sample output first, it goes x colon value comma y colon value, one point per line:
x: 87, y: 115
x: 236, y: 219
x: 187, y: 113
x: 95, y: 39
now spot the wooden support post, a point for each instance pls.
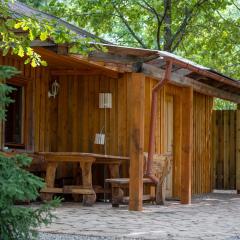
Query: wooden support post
x: 187, y: 144
x: 136, y: 115
x: 238, y: 150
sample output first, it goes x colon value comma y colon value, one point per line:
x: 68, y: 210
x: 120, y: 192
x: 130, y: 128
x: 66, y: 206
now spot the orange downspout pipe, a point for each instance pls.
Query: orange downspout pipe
x: 155, y: 90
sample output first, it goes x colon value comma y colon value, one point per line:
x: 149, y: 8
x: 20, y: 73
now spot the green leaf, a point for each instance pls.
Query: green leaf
x: 18, y: 25
x: 33, y: 63
x: 44, y: 63
x: 20, y: 51
x: 43, y: 36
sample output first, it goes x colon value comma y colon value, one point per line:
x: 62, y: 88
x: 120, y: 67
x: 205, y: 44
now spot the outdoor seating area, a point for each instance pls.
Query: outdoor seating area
x: 85, y: 160
x: 162, y: 165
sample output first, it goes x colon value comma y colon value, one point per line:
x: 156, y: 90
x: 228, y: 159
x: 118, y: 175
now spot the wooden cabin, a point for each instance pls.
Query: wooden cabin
x: 57, y: 109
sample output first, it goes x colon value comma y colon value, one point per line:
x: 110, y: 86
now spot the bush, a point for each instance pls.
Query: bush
x: 5, y: 73
x: 17, y: 184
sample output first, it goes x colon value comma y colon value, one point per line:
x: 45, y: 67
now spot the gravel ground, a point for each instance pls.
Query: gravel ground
x: 212, y: 216
x: 53, y: 236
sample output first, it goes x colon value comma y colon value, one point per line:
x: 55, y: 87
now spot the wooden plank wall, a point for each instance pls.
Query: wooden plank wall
x: 224, y: 149
x: 35, y: 102
x: 202, y: 124
x: 75, y: 116
x: 202, y: 163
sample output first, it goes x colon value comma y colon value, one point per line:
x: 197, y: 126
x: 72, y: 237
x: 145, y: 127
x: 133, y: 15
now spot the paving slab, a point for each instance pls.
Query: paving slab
x: 211, y: 216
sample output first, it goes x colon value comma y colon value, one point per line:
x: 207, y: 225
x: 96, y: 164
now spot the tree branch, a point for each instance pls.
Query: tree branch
x: 129, y: 27
x: 181, y: 30
x: 233, y: 2
x: 159, y: 17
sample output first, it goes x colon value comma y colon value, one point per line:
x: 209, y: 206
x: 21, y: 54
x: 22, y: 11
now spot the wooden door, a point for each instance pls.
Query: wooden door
x: 168, y: 134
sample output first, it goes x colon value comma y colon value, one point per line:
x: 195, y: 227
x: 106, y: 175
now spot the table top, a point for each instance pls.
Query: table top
x: 82, y: 154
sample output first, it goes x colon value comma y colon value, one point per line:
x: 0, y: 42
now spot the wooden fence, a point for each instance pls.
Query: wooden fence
x: 226, y: 149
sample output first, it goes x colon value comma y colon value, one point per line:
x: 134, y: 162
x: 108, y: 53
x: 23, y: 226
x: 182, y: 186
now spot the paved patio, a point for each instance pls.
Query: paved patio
x: 213, y: 216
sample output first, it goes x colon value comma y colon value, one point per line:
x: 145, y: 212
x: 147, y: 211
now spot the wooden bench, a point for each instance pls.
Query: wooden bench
x: 161, y: 167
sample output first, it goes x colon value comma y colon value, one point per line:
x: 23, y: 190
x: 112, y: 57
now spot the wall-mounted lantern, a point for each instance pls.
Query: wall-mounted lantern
x: 53, y: 92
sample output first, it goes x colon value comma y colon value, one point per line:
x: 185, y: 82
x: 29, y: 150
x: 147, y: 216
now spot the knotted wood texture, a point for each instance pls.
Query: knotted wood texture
x: 136, y: 114
x: 187, y: 145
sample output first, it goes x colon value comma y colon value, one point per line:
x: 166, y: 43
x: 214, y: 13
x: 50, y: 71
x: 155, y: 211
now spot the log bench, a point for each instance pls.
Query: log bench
x: 161, y: 167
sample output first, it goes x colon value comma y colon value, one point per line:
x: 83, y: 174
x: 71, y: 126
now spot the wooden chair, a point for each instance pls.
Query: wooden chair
x: 162, y: 164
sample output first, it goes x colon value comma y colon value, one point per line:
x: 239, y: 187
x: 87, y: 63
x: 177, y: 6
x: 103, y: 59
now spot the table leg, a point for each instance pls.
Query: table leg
x: 114, y: 170
x: 49, y: 179
x: 88, y: 200
x: 117, y: 192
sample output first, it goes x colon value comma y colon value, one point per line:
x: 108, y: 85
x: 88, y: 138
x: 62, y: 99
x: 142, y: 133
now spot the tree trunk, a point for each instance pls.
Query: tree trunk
x: 167, y: 28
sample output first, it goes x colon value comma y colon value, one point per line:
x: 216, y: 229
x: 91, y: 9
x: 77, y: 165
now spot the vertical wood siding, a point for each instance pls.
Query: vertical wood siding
x: 224, y: 149
x: 202, y: 163
x: 76, y: 117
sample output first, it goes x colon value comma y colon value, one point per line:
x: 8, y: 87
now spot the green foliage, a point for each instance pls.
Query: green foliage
x: 220, y: 104
x: 31, y: 29
x: 5, y: 73
x: 17, y: 184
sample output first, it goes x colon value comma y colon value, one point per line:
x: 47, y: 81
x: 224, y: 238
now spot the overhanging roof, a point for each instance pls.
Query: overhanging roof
x: 184, y: 72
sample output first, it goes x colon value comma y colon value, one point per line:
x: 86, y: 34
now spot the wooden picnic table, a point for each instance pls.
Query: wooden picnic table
x: 85, y: 160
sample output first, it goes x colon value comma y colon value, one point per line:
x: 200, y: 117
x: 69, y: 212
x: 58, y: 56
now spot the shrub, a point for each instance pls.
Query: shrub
x: 17, y: 184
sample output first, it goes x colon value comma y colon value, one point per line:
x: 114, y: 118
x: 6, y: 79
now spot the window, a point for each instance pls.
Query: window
x: 14, y: 125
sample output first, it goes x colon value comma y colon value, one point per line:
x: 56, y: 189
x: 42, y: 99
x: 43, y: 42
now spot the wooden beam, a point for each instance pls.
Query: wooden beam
x: 61, y: 72
x: 206, y: 89
x: 238, y: 149
x: 187, y: 144
x: 136, y: 104
x: 179, y: 80
x: 62, y: 49
x: 39, y: 43
x: 113, y: 58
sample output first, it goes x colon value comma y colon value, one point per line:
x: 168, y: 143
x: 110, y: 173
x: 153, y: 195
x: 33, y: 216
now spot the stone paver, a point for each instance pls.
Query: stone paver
x: 213, y: 216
